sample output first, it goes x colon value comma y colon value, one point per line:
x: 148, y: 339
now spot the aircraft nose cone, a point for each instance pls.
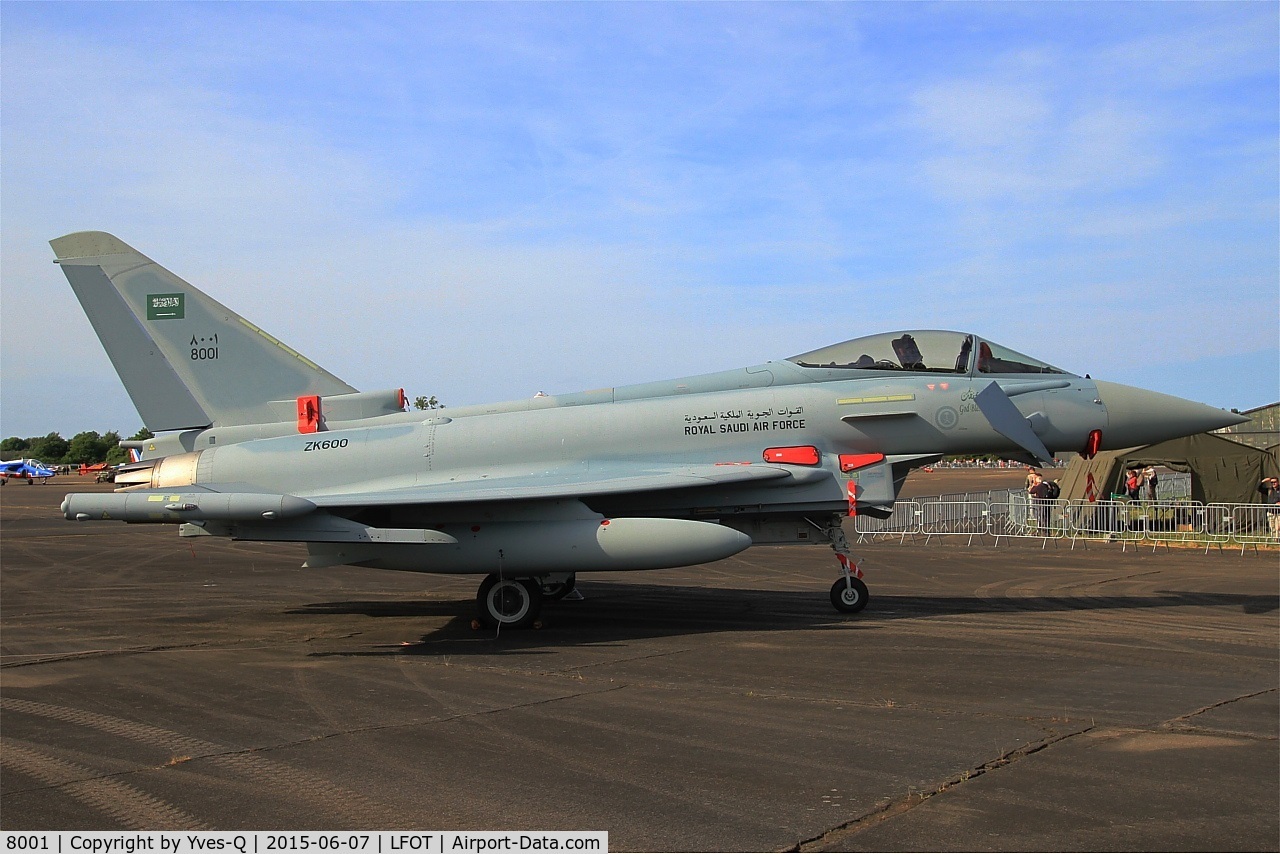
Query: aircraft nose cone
x: 1136, y: 416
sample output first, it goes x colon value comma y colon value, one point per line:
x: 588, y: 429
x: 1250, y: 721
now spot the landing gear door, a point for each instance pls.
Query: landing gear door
x: 868, y: 480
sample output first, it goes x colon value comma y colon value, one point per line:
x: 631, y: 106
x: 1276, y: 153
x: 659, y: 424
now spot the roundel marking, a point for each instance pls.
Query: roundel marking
x: 946, y: 418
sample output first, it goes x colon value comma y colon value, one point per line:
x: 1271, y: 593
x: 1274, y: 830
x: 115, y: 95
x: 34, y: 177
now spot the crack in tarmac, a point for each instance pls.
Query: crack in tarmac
x: 896, y: 807
x: 911, y: 800
x: 1183, y: 723
x: 1101, y: 581
x: 1219, y: 705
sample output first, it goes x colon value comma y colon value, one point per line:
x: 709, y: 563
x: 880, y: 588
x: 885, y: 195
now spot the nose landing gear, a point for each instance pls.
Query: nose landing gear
x: 849, y: 594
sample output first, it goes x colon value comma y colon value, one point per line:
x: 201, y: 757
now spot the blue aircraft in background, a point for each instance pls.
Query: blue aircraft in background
x: 28, y: 470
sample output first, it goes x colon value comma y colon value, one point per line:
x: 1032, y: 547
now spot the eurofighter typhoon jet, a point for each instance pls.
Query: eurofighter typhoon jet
x: 257, y: 442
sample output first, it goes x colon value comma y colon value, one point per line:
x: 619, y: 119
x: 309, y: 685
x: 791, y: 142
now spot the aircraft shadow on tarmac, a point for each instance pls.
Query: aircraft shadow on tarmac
x: 618, y: 613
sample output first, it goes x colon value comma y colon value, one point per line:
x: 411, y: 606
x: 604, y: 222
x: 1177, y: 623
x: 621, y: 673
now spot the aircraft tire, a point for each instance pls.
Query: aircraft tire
x: 849, y: 600
x: 557, y: 590
x: 512, y: 603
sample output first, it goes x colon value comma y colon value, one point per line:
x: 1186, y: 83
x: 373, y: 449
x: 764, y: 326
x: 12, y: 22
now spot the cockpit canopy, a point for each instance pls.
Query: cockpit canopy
x: 928, y: 351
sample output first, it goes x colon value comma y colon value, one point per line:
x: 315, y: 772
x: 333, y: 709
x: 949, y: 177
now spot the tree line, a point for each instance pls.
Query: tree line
x: 92, y: 447
x: 89, y: 447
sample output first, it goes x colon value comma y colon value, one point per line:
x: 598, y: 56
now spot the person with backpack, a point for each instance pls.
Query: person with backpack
x: 1040, y: 503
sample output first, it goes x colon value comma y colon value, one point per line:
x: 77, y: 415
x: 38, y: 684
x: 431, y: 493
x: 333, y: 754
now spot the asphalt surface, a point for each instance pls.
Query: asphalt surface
x: 989, y: 698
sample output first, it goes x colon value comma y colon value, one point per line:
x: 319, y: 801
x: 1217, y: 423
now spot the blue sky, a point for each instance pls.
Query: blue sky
x: 484, y: 200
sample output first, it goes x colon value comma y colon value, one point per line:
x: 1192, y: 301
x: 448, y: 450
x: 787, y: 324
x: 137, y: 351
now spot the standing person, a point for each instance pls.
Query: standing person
x: 1040, y: 505
x: 1271, y: 498
x: 1031, y: 477
x: 1149, y: 477
x: 1133, y: 484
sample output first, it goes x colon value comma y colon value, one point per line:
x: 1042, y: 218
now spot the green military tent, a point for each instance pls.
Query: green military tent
x: 1222, y: 471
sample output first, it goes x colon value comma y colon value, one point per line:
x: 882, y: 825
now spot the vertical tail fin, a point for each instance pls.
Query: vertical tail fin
x: 185, y: 359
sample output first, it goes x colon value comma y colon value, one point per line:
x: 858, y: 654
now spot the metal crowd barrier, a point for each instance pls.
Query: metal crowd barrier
x: 951, y: 518
x: 1153, y: 522
x: 1098, y: 520
x: 1020, y: 515
x: 1245, y: 525
x: 903, y: 522
x: 1012, y: 513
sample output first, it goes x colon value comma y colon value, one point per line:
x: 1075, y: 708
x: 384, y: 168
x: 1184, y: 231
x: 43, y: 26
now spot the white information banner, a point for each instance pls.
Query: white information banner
x: 293, y: 841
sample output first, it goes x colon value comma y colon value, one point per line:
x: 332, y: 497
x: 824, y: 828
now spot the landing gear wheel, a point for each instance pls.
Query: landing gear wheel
x: 849, y: 596
x: 557, y: 590
x: 512, y: 603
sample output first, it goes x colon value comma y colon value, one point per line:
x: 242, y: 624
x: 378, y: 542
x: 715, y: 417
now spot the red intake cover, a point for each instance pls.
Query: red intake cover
x: 797, y: 455
x: 849, y: 462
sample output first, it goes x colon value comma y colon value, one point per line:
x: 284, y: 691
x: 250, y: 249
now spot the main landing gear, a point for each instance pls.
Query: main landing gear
x: 514, y: 603
x: 511, y: 603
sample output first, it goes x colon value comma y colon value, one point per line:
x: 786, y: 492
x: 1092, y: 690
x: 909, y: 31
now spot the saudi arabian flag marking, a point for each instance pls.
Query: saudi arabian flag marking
x: 166, y: 306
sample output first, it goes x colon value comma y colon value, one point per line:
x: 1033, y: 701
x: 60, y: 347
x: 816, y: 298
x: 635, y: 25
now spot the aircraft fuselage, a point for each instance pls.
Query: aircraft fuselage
x: 260, y: 443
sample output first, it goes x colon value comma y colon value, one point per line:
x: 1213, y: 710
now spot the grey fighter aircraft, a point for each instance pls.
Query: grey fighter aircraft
x: 257, y: 442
